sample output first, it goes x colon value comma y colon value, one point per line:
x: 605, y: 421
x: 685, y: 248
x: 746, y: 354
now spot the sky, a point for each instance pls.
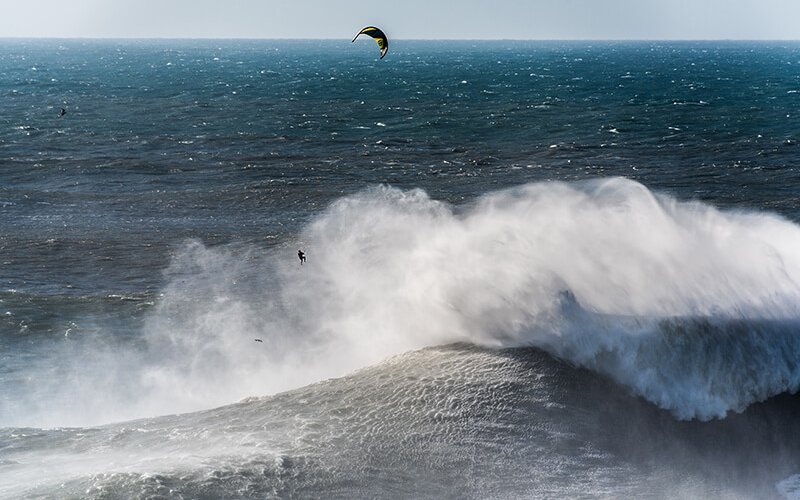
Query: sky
x: 405, y: 19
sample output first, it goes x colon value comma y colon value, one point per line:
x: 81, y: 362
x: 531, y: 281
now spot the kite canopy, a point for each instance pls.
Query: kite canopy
x: 378, y: 35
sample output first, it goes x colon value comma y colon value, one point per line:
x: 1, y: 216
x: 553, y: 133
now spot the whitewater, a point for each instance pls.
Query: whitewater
x: 693, y: 308
x: 690, y: 307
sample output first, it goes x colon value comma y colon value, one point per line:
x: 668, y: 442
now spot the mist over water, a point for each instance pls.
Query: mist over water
x: 691, y: 307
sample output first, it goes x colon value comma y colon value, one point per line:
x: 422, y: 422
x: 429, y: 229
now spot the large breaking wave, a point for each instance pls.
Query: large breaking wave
x: 693, y: 308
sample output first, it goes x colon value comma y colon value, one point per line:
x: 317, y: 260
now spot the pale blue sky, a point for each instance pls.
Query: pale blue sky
x: 465, y: 19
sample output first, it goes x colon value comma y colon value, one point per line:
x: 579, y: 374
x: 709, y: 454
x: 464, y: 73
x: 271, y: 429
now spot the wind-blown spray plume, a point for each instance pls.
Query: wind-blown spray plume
x: 691, y: 307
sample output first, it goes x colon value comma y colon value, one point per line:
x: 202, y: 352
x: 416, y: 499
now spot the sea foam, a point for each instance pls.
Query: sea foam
x: 693, y: 308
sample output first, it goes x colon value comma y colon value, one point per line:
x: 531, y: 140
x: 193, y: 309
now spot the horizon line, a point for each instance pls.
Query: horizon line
x: 235, y: 38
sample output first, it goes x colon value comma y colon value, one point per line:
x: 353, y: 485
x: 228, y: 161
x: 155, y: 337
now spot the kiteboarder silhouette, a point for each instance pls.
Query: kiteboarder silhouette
x: 63, y: 112
x: 301, y: 256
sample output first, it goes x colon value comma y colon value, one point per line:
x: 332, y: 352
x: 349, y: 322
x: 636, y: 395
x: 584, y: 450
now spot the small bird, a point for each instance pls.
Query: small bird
x: 63, y: 112
x: 259, y: 340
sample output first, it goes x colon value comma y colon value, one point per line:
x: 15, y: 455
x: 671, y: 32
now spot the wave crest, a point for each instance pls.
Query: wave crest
x: 693, y: 308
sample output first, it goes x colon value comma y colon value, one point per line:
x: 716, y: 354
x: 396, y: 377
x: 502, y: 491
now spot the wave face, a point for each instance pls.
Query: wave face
x: 692, y: 308
x: 448, y: 422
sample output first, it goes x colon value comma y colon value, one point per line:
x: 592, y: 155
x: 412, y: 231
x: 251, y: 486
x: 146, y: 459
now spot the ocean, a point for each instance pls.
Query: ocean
x: 534, y: 269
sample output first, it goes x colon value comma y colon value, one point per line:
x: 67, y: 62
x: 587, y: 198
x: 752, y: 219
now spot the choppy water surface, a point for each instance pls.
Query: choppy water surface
x: 543, y: 269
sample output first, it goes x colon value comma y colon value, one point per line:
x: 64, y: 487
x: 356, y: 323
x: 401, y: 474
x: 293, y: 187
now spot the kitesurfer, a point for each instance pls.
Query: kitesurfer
x: 63, y: 112
x: 378, y: 35
x: 301, y: 256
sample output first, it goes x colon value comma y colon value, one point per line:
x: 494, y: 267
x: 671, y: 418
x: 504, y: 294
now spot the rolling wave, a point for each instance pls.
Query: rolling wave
x: 693, y: 308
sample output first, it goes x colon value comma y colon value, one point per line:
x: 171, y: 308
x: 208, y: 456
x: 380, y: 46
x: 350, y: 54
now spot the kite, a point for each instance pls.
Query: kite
x: 378, y: 35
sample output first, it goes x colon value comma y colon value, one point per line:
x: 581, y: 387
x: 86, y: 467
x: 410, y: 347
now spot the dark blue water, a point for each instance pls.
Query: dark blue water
x: 245, y: 140
x: 151, y: 231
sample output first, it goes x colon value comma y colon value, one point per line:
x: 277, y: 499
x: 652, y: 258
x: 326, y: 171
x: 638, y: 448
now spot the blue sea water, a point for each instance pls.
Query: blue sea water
x: 535, y: 269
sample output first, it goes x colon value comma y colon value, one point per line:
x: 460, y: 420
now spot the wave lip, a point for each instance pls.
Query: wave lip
x: 696, y: 367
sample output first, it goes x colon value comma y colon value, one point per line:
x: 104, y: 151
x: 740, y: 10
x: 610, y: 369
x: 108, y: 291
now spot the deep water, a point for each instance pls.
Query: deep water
x: 535, y: 269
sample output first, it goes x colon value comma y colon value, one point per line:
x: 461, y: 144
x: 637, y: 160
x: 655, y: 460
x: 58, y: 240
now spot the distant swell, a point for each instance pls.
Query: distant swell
x: 693, y: 308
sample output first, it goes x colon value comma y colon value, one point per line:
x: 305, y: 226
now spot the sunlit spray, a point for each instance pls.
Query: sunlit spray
x: 691, y: 307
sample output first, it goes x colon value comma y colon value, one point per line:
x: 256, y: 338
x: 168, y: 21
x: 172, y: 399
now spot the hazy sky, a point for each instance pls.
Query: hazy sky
x: 469, y: 19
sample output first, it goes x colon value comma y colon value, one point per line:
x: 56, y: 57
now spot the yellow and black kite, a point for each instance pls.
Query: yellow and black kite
x: 378, y: 35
